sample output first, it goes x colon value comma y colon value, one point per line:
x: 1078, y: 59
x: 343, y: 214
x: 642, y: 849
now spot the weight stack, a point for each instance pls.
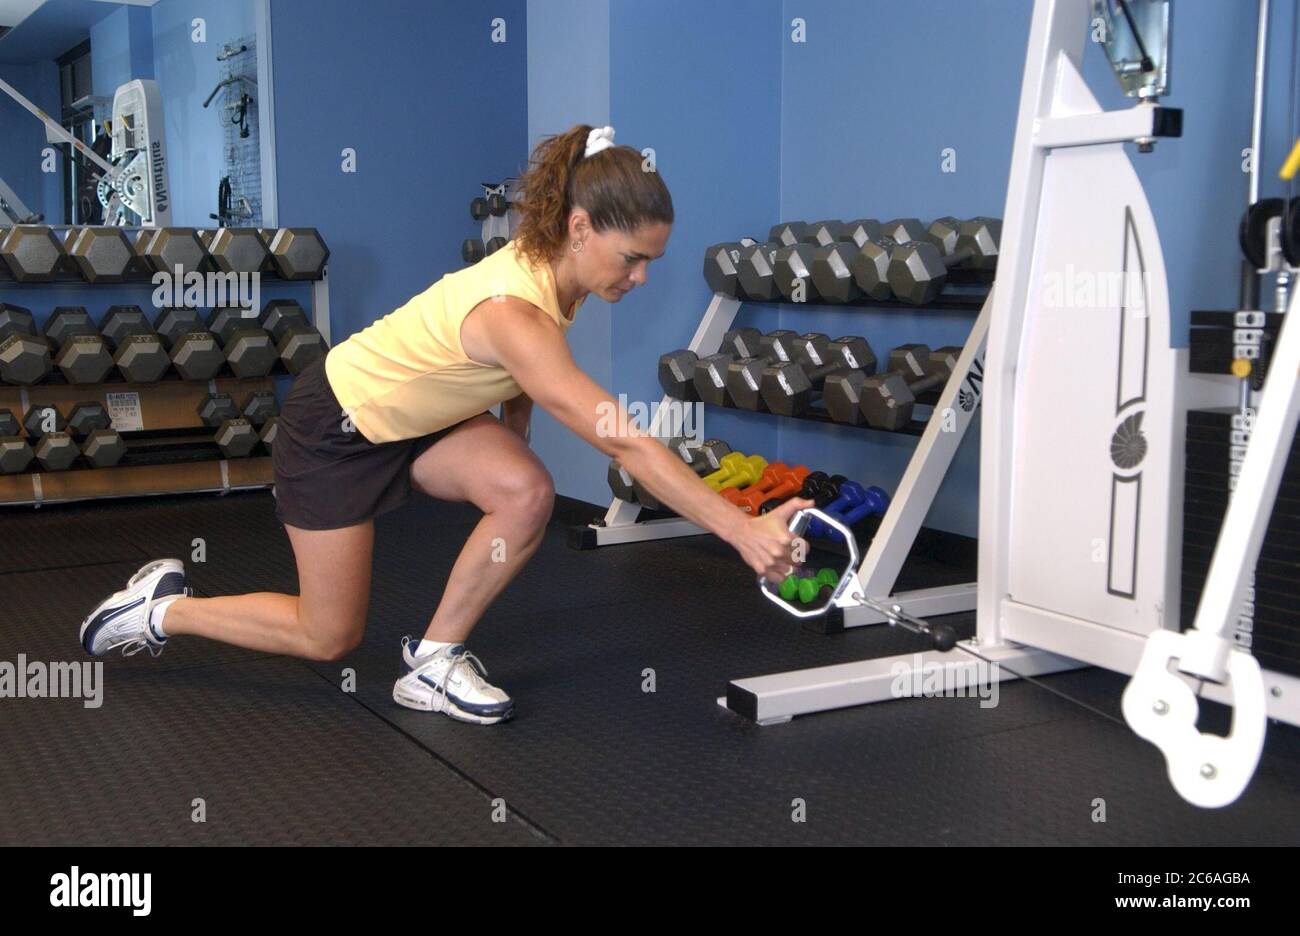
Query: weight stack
x: 1216, y: 339
x: 1270, y: 625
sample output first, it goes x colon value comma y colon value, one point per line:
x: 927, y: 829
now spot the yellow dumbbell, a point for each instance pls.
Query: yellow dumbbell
x: 749, y: 471
x: 729, y: 462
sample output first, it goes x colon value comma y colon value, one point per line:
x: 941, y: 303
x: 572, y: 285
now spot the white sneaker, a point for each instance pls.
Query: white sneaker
x: 450, y: 681
x: 122, y: 619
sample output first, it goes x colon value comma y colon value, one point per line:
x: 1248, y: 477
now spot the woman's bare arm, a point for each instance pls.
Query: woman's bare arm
x: 519, y: 337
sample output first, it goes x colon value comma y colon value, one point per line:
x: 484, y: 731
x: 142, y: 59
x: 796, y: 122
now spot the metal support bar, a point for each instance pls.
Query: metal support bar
x: 770, y: 700
x: 53, y: 129
x: 14, y: 208
x: 1143, y: 121
x: 320, y: 305
x: 953, y: 414
x: 620, y: 524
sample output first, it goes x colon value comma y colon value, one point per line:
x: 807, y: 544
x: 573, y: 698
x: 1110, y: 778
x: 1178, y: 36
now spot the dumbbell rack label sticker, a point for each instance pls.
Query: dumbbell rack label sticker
x: 124, y: 410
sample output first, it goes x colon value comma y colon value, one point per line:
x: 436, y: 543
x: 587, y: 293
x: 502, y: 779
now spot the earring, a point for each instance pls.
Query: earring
x: 576, y: 246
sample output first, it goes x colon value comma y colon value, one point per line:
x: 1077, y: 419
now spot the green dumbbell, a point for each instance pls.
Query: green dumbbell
x: 811, y: 586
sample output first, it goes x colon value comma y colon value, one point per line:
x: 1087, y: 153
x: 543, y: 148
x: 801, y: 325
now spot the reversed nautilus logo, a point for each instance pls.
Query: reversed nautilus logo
x: 1128, y: 446
x: 966, y: 400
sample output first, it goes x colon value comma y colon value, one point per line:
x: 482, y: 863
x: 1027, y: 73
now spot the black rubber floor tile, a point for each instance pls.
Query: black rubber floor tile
x: 64, y: 535
x: 41, y: 615
x: 593, y: 758
x: 1077, y: 781
x: 242, y: 546
x: 422, y: 515
x: 277, y: 756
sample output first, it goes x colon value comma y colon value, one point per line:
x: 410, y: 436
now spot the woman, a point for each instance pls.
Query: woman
x: 401, y: 406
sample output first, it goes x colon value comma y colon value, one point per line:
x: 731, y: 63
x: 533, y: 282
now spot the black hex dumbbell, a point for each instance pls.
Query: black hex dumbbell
x: 297, y: 341
x: 755, y: 273
x: 32, y: 253
x: 888, y: 399
x: 818, y: 487
x: 832, y: 261
x: 297, y: 253
x: 24, y: 355
x: 789, y: 388
x: 15, y: 451
x: 138, y: 352
x: 42, y: 419
x: 266, y: 435
x: 709, y: 373
x: 101, y: 445
x: 56, y: 451
x: 249, y: 348
x: 918, y: 271
x: 235, y: 435
x: 904, y: 230
x: 721, y: 265
x: 745, y: 374
x: 52, y: 444
x: 870, y: 267
x: 236, y: 250
x: 792, y: 270
x: 703, y: 459
x: 100, y: 254
x: 173, y: 251
x: 103, y: 448
x: 195, y: 352
x: 259, y: 407
x: 82, y: 354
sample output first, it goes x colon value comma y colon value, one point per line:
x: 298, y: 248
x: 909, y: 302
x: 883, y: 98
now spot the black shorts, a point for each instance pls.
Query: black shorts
x: 327, y: 474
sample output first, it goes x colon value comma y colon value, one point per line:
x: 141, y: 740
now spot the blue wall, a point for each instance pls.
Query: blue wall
x: 569, y: 83
x: 23, y: 137
x: 121, y: 49
x: 186, y: 72
x: 712, y: 118
x: 432, y: 108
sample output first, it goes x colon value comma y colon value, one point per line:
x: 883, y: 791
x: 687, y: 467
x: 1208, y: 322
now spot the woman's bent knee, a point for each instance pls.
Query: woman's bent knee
x: 333, y: 640
x: 527, y: 499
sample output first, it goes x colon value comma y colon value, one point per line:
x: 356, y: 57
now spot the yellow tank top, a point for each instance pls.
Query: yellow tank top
x: 408, y: 375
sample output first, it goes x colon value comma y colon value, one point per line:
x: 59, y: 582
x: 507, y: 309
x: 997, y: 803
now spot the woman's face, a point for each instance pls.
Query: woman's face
x: 612, y: 263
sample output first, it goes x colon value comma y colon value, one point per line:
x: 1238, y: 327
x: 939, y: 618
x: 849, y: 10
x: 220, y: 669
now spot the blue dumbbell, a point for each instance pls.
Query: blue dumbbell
x: 851, y: 494
x: 875, y: 501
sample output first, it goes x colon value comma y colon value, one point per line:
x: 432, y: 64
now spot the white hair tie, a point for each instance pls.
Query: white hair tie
x: 598, y: 139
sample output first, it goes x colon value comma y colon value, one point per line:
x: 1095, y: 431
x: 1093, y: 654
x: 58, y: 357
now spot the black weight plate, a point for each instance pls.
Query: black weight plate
x: 1253, y: 233
x: 1291, y: 233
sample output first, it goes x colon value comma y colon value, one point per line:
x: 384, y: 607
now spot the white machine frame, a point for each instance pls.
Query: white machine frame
x: 1082, y: 458
x: 135, y: 182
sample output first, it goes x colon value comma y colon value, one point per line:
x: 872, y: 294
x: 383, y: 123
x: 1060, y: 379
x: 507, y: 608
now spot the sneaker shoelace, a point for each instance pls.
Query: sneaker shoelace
x: 132, y: 647
x: 459, y: 660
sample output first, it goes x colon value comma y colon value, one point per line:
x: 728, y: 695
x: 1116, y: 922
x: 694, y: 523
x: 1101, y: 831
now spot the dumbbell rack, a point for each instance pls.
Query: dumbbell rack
x: 909, y: 506
x: 167, y: 411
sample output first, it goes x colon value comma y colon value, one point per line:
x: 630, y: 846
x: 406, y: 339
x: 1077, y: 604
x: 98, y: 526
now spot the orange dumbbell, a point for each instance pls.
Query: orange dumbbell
x: 786, y: 486
x: 773, y: 473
